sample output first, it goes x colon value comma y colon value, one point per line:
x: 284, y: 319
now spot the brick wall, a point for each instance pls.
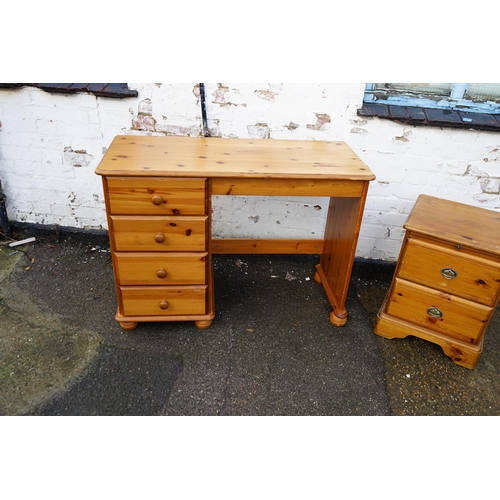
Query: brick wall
x: 50, y: 145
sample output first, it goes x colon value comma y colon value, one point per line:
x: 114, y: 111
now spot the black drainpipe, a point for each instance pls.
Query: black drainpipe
x: 4, y: 220
x: 206, y: 133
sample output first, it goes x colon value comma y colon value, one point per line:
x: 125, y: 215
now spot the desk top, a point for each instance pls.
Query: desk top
x: 239, y: 158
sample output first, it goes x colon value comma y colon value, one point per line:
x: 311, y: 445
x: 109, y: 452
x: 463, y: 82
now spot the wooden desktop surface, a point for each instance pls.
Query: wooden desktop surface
x: 240, y: 158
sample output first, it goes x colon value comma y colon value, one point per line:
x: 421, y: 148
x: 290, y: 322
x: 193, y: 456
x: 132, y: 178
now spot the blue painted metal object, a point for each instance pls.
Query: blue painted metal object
x: 457, y: 99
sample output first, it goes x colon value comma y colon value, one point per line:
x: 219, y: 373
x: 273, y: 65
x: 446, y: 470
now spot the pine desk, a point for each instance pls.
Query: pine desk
x: 158, y: 193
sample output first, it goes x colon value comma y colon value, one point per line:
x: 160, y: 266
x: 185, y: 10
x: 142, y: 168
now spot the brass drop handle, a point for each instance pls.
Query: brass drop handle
x: 164, y: 304
x: 161, y: 273
x: 434, y: 312
x: 157, y: 199
x: 449, y: 273
x: 160, y: 238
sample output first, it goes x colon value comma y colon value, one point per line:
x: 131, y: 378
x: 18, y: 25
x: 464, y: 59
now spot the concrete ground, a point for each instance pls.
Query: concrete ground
x: 271, y: 349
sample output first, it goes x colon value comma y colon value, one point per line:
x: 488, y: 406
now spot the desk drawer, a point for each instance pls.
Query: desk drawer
x: 163, y: 301
x: 156, y: 196
x: 436, y: 310
x: 161, y: 268
x: 458, y: 272
x: 160, y: 234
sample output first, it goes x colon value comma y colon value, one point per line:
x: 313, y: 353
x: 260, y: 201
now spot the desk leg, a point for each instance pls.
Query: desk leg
x: 341, y: 237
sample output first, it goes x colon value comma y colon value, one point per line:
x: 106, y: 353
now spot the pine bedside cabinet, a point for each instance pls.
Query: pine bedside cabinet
x: 447, y: 279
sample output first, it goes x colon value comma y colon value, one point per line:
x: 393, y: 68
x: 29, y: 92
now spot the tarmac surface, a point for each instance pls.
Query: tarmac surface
x: 271, y: 349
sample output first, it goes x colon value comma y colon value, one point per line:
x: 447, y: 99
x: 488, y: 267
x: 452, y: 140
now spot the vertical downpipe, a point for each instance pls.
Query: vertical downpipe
x: 4, y: 220
x: 206, y: 132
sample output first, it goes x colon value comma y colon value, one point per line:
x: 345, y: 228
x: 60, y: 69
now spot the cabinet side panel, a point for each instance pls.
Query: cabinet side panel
x: 111, y: 235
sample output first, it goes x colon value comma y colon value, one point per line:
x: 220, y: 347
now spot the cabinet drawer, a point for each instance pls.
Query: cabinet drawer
x: 454, y: 271
x: 163, y: 301
x: 156, y: 196
x: 436, y: 310
x: 161, y: 268
x: 159, y: 233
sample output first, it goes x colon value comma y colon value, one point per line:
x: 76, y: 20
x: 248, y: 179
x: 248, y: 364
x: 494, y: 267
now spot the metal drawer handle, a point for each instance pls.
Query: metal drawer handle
x: 434, y: 312
x: 449, y: 273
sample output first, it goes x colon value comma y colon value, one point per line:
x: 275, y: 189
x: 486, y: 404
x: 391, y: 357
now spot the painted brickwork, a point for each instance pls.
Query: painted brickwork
x: 50, y: 145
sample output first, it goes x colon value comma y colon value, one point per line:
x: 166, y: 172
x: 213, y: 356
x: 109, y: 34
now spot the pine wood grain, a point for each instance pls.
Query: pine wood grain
x: 286, y: 187
x: 266, y: 246
x: 147, y: 301
x: 218, y: 157
x: 141, y: 233
x: 156, y: 196
x: 447, y: 279
x: 411, y: 302
x: 477, y: 278
x: 462, y: 352
x: 460, y: 224
x: 159, y: 268
x: 145, y: 177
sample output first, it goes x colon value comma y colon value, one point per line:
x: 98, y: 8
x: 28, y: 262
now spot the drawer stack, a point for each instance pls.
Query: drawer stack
x: 447, y: 281
x: 159, y: 231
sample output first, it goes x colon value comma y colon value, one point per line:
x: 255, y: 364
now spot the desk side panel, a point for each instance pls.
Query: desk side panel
x: 341, y: 237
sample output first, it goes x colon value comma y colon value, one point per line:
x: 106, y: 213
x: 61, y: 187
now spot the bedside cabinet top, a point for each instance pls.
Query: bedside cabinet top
x: 457, y: 223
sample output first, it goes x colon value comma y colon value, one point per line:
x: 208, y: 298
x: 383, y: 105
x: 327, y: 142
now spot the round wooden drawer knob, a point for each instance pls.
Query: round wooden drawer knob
x: 160, y: 238
x: 164, y: 304
x: 161, y: 273
x: 157, y: 199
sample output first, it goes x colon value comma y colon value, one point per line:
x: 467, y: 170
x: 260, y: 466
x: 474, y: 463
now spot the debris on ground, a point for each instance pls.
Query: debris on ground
x: 97, y: 248
x: 22, y: 242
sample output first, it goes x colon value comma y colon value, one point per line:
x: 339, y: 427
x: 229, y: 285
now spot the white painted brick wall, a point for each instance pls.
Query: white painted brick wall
x: 51, y: 144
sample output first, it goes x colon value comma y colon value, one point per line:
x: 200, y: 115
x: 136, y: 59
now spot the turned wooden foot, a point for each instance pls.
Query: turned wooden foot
x: 338, y: 319
x: 203, y: 324
x: 317, y: 277
x: 128, y: 325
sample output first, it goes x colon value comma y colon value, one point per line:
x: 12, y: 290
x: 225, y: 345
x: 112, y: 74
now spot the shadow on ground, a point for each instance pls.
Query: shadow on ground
x: 270, y: 351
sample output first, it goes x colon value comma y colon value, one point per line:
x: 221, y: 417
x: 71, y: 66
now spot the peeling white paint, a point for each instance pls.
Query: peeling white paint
x: 78, y: 158
x: 51, y: 144
x: 259, y: 131
x: 358, y: 130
